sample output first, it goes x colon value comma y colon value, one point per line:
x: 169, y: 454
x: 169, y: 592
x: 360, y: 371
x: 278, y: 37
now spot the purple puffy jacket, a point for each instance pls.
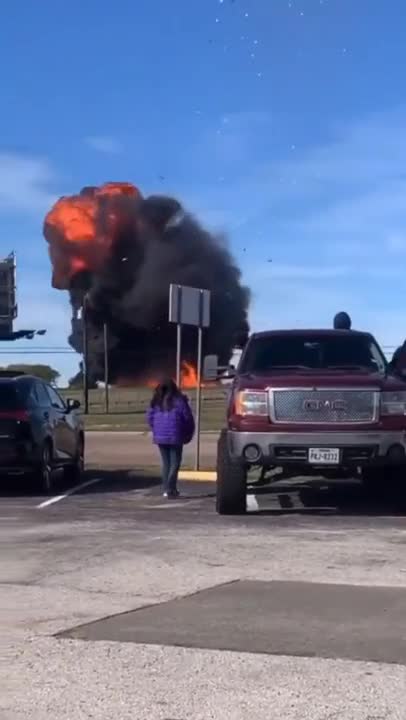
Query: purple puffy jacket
x: 172, y: 427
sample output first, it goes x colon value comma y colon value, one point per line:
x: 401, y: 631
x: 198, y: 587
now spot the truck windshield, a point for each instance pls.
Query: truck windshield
x: 312, y: 352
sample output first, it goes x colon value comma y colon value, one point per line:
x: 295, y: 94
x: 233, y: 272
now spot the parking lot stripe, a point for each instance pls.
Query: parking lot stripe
x: 57, y: 498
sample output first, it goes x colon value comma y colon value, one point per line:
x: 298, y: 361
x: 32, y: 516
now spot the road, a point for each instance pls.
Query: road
x: 136, y: 450
x: 294, y: 611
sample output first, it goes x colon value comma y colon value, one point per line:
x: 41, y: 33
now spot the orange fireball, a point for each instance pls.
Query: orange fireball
x: 81, y: 230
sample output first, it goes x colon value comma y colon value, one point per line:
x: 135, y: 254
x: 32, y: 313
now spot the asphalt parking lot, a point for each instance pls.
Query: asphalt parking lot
x: 275, y: 614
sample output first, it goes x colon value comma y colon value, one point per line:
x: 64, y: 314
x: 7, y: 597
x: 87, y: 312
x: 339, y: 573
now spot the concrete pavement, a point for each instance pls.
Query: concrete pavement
x: 117, y: 546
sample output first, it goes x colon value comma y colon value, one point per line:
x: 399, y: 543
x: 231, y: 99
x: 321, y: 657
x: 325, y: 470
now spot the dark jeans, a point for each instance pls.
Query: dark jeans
x: 171, y: 460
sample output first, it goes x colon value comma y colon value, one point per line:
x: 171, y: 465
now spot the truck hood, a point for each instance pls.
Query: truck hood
x: 320, y: 379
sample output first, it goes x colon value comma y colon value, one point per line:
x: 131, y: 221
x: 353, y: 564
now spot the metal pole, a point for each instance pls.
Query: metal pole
x: 106, y: 371
x: 198, y: 394
x: 85, y: 356
x: 178, y: 354
x: 199, y: 377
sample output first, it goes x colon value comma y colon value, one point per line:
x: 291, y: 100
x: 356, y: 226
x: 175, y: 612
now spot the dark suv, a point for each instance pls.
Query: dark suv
x: 39, y: 432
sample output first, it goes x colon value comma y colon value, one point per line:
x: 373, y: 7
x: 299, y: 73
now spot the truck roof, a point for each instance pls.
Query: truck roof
x: 309, y: 332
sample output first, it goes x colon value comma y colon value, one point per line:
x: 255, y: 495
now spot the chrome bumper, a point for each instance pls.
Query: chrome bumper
x: 382, y: 442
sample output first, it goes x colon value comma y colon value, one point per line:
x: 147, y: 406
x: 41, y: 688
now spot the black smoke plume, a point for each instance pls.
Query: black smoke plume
x: 158, y: 243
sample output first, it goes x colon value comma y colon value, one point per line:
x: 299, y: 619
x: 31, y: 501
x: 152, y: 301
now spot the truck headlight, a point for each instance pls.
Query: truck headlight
x: 393, y: 403
x: 251, y: 402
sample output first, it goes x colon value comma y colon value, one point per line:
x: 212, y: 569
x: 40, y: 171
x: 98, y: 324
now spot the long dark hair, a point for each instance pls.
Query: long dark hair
x: 165, y: 395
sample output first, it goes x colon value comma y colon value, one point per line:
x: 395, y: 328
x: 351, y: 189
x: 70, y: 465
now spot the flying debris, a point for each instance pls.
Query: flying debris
x: 121, y: 251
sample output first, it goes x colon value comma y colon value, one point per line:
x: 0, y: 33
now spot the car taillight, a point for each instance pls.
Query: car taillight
x: 251, y: 402
x: 19, y: 415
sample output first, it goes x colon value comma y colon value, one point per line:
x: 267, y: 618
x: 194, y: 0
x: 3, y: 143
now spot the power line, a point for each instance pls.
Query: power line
x: 45, y: 350
x: 38, y: 352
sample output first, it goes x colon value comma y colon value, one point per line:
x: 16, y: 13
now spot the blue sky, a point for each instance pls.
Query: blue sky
x: 279, y: 122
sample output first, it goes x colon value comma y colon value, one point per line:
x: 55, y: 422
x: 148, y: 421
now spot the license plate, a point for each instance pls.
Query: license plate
x: 324, y: 456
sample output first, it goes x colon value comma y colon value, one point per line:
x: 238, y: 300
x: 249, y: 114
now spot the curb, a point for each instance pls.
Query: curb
x: 198, y: 475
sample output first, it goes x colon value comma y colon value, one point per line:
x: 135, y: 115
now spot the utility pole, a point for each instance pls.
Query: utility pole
x: 106, y: 369
x: 85, y: 354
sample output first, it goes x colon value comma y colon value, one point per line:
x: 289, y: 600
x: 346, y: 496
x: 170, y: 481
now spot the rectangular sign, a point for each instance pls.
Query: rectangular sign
x: 8, y: 309
x: 189, y: 306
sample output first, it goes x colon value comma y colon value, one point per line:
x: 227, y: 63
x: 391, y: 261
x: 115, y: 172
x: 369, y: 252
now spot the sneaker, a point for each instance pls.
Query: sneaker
x: 172, y: 494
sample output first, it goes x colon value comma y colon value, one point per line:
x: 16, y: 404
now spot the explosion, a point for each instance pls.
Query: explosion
x: 122, y: 251
x: 81, y: 230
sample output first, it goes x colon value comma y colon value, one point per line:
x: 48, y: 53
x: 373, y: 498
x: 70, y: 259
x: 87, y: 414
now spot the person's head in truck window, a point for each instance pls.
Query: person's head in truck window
x: 342, y: 321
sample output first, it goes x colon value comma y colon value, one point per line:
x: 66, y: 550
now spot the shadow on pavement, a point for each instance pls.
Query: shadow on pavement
x: 309, y: 497
x: 321, y: 497
x: 119, y: 481
x: 111, y: 481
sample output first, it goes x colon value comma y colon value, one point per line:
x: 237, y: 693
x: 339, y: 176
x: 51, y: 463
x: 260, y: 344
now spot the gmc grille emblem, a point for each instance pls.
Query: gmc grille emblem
x: 318, y: 405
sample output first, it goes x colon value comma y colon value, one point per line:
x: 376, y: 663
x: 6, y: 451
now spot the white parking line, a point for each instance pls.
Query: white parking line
x: 252, y: 503
x: 73, y: 490
x: 166, y: 506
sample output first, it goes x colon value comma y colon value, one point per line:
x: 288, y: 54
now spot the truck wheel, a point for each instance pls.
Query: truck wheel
x: 373, y: 481
x: 397, y: 485
x: 387, y: 483
x: 231, y: 496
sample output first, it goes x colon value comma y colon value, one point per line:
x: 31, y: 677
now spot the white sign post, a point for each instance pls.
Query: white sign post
x: 190, y: 306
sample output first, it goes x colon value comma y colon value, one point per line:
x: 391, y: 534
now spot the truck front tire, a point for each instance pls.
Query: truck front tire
x: 386, y: 483
x: 231, y: 495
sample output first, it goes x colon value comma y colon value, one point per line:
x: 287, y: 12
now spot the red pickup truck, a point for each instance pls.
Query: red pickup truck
x: 312, y: 402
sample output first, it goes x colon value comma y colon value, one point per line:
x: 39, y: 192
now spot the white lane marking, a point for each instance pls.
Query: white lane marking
x: 73, y: 490
x: 167, y: 506
x: 252, y: 503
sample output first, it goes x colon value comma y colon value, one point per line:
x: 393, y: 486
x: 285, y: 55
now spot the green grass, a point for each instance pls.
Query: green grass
x: 127, y: 408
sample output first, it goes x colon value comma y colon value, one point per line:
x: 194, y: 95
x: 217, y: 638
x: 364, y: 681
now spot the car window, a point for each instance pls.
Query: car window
x: 32, y: 399
x: 56, y: 400
x: 43, y: 399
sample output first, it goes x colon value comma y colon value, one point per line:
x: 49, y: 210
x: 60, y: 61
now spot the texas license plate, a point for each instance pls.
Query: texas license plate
x: 324, y: 456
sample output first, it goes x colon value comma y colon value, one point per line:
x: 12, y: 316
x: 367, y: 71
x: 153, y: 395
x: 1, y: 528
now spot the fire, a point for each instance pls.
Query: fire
x: 188, y: 377
x: 81, y: 230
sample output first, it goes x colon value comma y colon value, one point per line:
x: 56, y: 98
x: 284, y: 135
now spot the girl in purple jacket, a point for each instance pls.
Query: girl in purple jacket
x: 171, y: 421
